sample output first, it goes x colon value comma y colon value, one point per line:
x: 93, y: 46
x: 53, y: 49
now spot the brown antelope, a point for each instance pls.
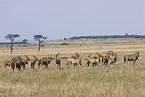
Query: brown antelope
x: 87, y: 62
x: 69, y: 60
x: 22, y: 62
x: 132, y: 57
x: 105, y: 59
x: 57, y: 61
x: 33, y: 62
x: 27, y: 59
x: 93, y: 60
x: 75, y: 60
x: 7, y: 63
x: 44, y: 61
x: 10, y: 63
x: 113, y: 59
x: 17, y: 62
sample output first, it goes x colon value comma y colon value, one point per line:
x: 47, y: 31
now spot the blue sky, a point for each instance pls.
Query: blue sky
x: 58, y: 19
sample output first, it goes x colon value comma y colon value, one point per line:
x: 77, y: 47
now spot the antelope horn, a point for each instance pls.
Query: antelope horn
x: 57, y: 54
x: 27, y: 57
x: 89, y: 55
x: 35, y: 57
x: 99, y: 54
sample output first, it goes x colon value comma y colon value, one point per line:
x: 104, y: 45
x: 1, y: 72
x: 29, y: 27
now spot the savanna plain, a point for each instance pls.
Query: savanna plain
x: 121, y: 80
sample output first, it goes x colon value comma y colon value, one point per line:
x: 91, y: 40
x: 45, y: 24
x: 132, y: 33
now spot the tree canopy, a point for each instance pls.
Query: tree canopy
x: 12, y: 36
x: 40, y: 38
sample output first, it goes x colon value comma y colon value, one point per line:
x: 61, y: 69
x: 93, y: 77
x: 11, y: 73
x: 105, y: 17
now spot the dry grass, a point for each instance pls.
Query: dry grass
x: 122, y: 80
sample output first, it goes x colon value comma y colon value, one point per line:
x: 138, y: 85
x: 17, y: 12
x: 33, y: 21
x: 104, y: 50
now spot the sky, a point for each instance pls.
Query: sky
x: 58, y: 19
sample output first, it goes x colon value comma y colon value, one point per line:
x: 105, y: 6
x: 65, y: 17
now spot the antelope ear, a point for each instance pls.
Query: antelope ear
x: 89, y: 55
x: 76, y: 53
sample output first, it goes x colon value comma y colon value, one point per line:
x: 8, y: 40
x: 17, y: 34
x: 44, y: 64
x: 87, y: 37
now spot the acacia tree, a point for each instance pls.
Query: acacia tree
x: 40, y: 39
x: 12, y: 37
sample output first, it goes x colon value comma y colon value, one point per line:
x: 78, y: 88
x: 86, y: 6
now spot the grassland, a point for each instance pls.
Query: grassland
x: 122, y: 80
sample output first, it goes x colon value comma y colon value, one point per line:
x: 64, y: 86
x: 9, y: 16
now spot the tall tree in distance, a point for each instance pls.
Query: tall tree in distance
x: 12, y: 38
x: 40, y: 39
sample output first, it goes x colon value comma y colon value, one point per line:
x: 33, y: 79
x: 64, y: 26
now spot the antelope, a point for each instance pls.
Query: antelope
x: 10, y: 63
x: 75, y: 60
x: 22, y: 62
x: 113, y: 59
x: 7, y: 63
x: 87, y: 62
x: 57, y: 61
x: 33, y: 62
x: 27, y: 59
x: 132, y: 57
x: 17, y: 62
x: 105, y: 59
x: 93, y: 60
x: 44, y: 61
x: 69, y: 60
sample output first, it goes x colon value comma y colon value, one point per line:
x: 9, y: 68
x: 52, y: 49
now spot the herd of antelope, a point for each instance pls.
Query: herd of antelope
x: 110, y: 57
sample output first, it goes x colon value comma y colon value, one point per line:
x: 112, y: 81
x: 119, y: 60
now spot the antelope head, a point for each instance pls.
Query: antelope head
x: 89, y: 56
x: 137, y: 55
x: 78, y: 56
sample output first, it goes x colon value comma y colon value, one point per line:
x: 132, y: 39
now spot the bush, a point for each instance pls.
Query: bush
x: 42, y: 45
x: 64, y: 44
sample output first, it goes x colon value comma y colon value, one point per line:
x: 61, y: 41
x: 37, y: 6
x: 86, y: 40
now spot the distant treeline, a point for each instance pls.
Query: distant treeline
x: 14, y: 43
x: 106, y: 36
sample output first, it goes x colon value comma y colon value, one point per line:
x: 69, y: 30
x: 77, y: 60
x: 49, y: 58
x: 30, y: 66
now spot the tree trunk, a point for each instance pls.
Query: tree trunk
x: 11, y: 46
x: 39, y: 45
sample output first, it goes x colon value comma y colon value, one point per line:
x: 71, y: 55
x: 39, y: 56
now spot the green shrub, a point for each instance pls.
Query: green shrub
x: 64, y: 44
